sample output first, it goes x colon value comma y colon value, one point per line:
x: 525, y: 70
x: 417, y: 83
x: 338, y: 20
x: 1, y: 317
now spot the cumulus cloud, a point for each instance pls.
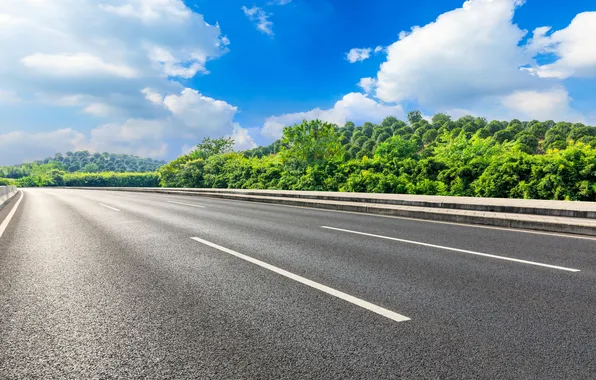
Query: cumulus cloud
x: 95, y: 57
x: 542, y: 105
x: 472, y: 59
x: 367, y: 84
x: 100, y: 109
x: 358, y: 54
x: 152, y: 95
x: 137, y: 136
x: 354, y: 107
x: 150, y: 10
x: 197, y: 115
x: 573, y: 47
x: 81, y: 64
x: 261, y: 19
x: 468, y: 52
x: 20, y: 146
x: 98, y: 48
x: 361, y: 54
x: 242, y: 139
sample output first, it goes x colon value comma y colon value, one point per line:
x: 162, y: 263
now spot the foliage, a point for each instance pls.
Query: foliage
x: 111, y: 179
x: 83, y: 161
x: 468, y: 156
x: 106, y: 179
x: 7, y: 182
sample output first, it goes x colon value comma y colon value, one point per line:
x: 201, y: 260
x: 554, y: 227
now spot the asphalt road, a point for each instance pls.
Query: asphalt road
x: 111, y: 285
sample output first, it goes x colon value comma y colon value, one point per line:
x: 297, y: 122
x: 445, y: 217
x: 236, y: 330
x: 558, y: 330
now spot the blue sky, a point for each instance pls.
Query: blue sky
x: 153, y: 77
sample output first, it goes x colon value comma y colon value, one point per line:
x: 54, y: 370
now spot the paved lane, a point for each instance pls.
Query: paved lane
x: 100, y: 284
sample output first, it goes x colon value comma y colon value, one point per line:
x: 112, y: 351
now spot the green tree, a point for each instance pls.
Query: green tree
x: 90, y: 168
x: 414, y: 117
x: 311, y: 142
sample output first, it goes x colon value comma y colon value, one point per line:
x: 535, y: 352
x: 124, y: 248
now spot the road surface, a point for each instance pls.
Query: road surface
x: 98, y: 284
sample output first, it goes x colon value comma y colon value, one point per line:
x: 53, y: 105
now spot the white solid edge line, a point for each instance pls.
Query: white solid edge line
x: 325, y: 289
x: 185, y: 204
x: 4, y: 224
x: 454, y: 249
x: 110, y: 207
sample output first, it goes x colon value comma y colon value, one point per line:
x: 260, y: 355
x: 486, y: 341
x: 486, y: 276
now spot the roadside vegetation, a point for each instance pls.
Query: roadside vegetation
x: 84, y: 169
x: 84, y: 162
x: 466, y: 157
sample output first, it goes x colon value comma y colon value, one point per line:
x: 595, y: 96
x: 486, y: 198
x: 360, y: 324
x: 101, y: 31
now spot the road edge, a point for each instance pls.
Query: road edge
x: 9, y: 209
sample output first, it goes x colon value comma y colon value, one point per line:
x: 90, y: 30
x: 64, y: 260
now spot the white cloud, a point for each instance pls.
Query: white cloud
x: 261, y: 18
x: 100, y: 109
x: 354, y: 107
x: 242, y: 139
x: 191, y: 116
x: 150, y: 10
x: 197, y: 116
x: 144, y: 138
x: 573, y: 46
x: 367, y: 84
x: 81, y: 64
x: 200, y: 113
x: 361, y: 54
x: 542, y: 105
x: 358, y: 55
x: 140, y: 137
x: 20, y: 146
x: 96, y: 57
x: 61, y: 47
x: 172, y: 66
x: 152, y: 95
x: 466, y: 53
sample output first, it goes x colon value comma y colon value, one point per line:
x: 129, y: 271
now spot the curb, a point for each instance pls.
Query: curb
x: 6, y: 202
x: 567, y: 213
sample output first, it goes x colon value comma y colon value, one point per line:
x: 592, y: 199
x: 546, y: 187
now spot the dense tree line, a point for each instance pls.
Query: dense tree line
x: 55, y: 177
x: 7, y: 182
x: 85, y: 162
x: 468, y: 156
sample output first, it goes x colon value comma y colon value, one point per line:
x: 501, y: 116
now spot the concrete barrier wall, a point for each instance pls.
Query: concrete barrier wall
x: 6, y: 194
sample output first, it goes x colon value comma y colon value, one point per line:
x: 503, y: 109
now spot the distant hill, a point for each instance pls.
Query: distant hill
x: 83, y: 161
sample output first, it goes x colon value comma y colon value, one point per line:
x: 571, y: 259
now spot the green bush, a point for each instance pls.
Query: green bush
x: 7, y: 182
x: 468, y: 156
x: 112, y: 179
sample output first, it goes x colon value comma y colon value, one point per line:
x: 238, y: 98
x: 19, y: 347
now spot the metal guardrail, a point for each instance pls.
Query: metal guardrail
x: 6, y: 194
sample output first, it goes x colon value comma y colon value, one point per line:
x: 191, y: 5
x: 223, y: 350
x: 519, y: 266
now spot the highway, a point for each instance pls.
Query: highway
x: 101, y: 284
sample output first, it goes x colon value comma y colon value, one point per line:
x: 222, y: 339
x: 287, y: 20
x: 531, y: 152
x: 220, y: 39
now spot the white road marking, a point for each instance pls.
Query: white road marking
x: 110, y: 207
x: 325, y: 289
x: 454, y: 249
x: 186, y: 204
x: 11, y: 214
x: 418, y: 220
x: 517, y: 230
